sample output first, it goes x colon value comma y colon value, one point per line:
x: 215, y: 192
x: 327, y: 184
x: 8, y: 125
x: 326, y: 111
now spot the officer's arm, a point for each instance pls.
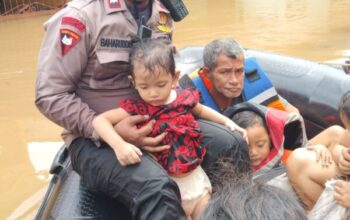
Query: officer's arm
x: 62, y: 59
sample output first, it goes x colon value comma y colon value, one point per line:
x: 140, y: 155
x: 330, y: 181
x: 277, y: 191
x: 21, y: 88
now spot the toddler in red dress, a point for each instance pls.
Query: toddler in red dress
x: 172, y: 111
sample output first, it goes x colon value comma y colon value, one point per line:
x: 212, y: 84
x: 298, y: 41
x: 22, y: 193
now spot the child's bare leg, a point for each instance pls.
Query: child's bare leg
x: 332, y: 135
x: 201, y: 204
x: 308, y: 176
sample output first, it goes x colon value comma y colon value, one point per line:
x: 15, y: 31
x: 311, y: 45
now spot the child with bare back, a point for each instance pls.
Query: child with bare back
x: 309, y: 168
x: 172, y: 111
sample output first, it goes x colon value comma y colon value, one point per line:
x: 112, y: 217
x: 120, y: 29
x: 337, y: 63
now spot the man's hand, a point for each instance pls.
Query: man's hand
x: 344, y: 161
x: 138, y: 136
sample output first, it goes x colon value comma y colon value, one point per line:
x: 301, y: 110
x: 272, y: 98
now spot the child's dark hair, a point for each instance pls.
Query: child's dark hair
x: 344, y: 105
x: 152, y: 54
x: 239, y: 197
x: 247, y: 119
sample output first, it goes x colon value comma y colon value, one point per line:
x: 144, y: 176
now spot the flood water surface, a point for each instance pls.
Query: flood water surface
x: 312, y: 29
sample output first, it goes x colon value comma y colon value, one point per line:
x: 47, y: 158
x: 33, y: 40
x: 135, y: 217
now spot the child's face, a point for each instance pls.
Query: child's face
x: 259, y: 144
x: 154, y: 88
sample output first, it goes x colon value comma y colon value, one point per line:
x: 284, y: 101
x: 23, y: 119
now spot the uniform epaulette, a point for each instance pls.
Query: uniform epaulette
x: 78, y: 4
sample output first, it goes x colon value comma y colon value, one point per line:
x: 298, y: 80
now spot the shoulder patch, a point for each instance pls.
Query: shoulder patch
x: 74, y: 22
x: 68, y: 40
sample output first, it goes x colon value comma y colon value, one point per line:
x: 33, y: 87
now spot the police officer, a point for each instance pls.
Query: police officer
x: 83, y: 70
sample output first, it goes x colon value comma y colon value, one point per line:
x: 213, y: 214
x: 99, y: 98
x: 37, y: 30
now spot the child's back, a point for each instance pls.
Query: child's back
x: 309, y: 169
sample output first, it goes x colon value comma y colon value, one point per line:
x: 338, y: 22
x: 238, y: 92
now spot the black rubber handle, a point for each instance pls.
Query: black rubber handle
x: 58, y: 162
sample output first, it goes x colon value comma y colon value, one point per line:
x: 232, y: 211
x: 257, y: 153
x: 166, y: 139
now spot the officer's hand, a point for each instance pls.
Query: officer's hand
x: 138, y: 136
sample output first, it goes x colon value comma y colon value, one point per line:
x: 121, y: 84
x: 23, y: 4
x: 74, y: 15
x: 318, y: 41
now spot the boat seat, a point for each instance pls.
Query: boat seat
x: 75, y: 201
x: 67, y: 198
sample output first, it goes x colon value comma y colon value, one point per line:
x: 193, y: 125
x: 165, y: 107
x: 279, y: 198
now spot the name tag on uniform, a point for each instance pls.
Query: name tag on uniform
x: 115, y: 43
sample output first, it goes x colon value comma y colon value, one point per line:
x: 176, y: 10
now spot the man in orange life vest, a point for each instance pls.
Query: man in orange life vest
x: 228, y: 78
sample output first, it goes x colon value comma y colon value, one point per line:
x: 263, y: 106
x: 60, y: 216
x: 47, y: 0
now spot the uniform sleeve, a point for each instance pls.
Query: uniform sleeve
x: 62, y: 59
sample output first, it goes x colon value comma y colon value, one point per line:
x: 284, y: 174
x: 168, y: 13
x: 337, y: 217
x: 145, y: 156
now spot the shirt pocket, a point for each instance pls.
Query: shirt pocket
x: 111, y: 70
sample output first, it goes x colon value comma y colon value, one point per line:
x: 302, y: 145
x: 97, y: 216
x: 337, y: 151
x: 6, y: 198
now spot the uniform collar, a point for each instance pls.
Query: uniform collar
x: 115, y: 6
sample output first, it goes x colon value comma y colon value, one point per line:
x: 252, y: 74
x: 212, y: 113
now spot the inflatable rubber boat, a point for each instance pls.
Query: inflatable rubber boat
x: 315, y: 89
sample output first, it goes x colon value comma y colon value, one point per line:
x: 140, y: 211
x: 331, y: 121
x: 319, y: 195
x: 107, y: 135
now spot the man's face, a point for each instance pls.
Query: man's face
x: 227, y: 77
x: 141, y: 4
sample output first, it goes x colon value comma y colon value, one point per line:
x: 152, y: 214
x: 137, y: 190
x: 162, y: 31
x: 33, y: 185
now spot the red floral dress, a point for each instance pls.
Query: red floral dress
x: 184, y: 135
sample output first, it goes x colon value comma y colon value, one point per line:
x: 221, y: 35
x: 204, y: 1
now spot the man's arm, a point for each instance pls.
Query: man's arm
x: 62, y: 59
